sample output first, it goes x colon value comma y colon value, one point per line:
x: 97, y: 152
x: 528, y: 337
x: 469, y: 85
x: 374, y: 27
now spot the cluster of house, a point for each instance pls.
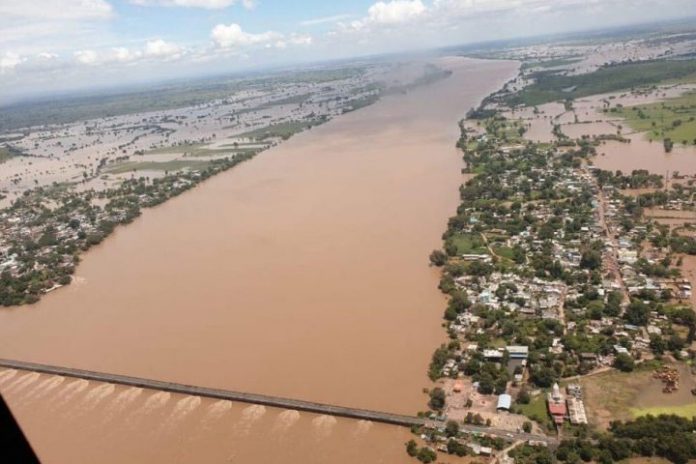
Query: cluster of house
x: 529, y: 296
x: 22, y: 226
x: 46, y: 228
x: 523, y: 293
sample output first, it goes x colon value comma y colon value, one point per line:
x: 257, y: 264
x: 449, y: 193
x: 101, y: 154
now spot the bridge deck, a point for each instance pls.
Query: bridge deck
x: 253, y: 398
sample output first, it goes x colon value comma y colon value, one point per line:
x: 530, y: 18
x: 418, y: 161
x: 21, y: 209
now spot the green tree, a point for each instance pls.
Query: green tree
x: 437, y: 398
x: 412, y: 448
x: 624, y: 362
x: 452, y: 428
x: 438, y: 258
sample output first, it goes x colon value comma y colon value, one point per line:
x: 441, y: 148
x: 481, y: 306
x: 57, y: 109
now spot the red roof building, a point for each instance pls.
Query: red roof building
x: 557, y: 405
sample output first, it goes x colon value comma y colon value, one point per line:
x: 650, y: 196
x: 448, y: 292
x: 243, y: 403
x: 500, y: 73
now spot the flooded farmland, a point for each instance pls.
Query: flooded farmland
x: 640, y: 153
x: 302, y: 273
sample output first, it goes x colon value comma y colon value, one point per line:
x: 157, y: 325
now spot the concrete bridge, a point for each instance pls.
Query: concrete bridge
x: 266, y: 400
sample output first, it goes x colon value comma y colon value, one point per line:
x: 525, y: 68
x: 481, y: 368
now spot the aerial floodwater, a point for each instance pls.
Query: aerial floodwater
x: 302, y: 273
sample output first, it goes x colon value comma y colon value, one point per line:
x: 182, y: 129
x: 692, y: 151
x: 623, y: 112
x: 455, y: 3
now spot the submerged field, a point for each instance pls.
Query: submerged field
x: 4, y: 154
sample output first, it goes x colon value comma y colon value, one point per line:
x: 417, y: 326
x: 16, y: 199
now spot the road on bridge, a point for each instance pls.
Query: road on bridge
x: 266, y: 400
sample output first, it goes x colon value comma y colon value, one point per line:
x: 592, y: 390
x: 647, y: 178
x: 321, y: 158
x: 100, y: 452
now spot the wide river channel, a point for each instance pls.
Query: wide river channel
x: 302, y: 273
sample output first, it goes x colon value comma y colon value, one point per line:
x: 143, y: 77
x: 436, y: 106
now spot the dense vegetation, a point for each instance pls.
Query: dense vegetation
x: 667, y: 436
x: 551, y: 86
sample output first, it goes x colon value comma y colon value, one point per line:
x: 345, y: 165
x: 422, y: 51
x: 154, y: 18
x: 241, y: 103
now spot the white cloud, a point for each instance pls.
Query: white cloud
x: 395, y: 11
x: 47, y: 56
x: 157, y: 49
x: 86, y: 56
x: 391, y: 13
x: 124, y: 55
x: 294, y: 39
x: 161, y: 49
x: 56, y: 9
x: 232, y: 35
x: 205, y: 4
x: 300, y: 39
x: 325, y: 20
x: 9, y: 61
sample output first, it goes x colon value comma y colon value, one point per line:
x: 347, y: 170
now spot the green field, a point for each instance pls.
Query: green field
x: 687, y: 410
x: 283, y: 130
x: 535, y: 410
x: 550, y: 86
x: 468, y: 244
x: 175, y: 165
x: 505, y: 252
x: 199, y: 149
x: 674, y: 118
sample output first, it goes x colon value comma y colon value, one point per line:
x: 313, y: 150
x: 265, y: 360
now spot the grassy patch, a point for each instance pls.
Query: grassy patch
x: 505, y: 252
x: 175, y: 165
x: 535, y: 410
x: 674, y: 118
x: 198, y: 150
x: 468, y: 244
x: 284, y: 130
x: 687, y: 410
x: 550, y: 86
x: 191, y: 149
x: 611, y: 395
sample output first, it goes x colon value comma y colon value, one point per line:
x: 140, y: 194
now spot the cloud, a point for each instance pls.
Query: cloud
x: 325, y: 20
x: 157, y: 49
x: 395, y: 11
x: 47, y: 56
x: 300, y: 39
x: 86, y: 56
x: 391, y: 13
x: 9, y: 61
x: 294, y: 39
x: 205, y: 4
x: 55, y: 10
x: 124, y: 55
x: 232, y: 35
x: 161, y: 49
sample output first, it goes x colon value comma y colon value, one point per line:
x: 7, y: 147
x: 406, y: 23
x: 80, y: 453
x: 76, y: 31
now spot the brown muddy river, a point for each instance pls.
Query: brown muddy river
x: 302, y: 273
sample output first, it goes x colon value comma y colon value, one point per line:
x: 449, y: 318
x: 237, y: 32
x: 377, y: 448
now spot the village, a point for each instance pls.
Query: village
x: 558, y: 272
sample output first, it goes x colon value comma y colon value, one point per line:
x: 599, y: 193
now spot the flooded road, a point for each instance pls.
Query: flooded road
x: 302, y: 273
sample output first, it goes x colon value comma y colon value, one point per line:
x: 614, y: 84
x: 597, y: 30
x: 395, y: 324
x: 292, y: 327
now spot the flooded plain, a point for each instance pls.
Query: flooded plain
x: 302, y: 273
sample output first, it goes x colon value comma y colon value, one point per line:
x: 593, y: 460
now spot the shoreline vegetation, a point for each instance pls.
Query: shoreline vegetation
x: 48, y: 228
x: 554, y: 275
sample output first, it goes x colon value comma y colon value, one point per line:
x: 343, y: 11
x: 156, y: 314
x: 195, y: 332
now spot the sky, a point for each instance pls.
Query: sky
x: 64, y: 45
